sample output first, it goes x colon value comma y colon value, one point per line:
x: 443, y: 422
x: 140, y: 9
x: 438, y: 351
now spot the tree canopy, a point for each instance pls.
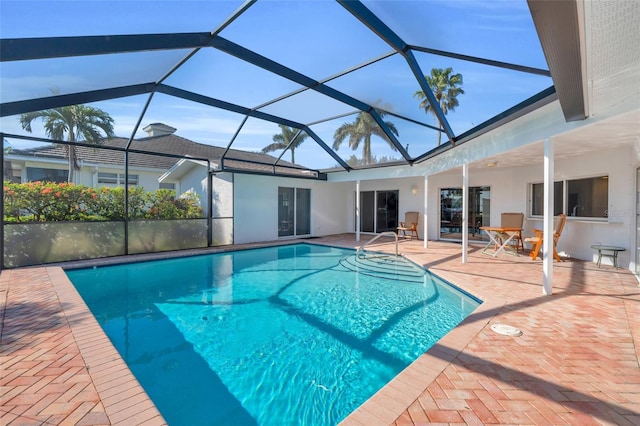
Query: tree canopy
x: 360, y: 132
x: 78, y: 123
x: 446, y: 88
x: 285, y: 140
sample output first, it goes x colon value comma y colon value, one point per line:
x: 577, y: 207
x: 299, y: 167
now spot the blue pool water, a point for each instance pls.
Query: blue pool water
x: 297, y: 334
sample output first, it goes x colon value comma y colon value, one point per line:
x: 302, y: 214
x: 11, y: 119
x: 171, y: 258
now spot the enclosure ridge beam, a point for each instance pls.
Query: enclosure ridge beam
x: 265, y: 63
x: 293, y: 139
x: 483, y: 61
x: 22, y: 49
x: 228, y: 106
x: 235, y: 15
x: 184, y: 94
x: 371, y: 21
x: 324, y: 146
x: 376, y: 116
x: 535, y: 102
x: 328, y: 79
x: 40, y: 104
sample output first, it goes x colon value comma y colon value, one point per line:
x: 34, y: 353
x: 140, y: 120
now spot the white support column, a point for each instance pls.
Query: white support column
x: 547, y: 243
x: 358, y: 210
x: 424, y: 214
x: 465, y: 210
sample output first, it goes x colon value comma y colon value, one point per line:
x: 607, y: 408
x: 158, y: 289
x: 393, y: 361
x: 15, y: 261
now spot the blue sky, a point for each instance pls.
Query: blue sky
x: 316, y: 38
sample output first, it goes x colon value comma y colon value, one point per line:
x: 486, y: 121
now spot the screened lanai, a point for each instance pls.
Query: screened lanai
x: 227, y: 73
x: 233, y: 75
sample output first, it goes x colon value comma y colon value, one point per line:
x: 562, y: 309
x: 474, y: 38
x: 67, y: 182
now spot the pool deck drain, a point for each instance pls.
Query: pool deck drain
x: 506, y: 330
x: 577, y: 361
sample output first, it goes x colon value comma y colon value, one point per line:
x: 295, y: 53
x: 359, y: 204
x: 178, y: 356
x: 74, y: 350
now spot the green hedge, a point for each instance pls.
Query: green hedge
x: 51, y: 201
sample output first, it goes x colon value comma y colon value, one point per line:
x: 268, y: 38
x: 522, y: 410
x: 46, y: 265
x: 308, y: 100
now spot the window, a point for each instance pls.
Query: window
x: 11, y: 174
x: 294, y: 211
x: 116, y: 179
x: 166, y: 185
x: 46, y: 175
x: 108, y: 178
x: 537, y: 198
x: 133, y: 179
x: 588, y: 197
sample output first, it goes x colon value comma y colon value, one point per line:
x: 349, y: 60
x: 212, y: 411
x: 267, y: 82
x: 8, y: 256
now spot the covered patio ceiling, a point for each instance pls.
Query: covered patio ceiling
x: 230, y: 73
x: 612, y: 133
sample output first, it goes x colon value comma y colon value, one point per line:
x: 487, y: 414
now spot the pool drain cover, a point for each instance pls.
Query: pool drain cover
x: 507, y: 330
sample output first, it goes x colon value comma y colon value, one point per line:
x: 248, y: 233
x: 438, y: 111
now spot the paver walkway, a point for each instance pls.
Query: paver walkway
x: 57, y: 367
x: 577, y: 361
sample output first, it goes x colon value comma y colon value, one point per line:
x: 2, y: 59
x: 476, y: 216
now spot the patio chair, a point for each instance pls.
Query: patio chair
x: 410, y: 225
x: 514, y: 220
x: 537, y: 240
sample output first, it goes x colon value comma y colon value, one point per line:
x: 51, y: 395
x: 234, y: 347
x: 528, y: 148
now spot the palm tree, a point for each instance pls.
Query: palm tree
x: 360, y: 131
x: 80, y: 123
x: 283, y: 139
x: 444, y: 85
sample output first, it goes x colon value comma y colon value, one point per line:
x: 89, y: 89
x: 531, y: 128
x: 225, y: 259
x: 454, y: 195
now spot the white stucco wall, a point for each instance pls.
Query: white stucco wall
x: 619, y: 228
x: 195, y: 181
x: 255, y: 209
x: 510, y: 193
x: 256, y: 206
x: 407, y: 201
x: 222, y: 193
x: 510, y: 186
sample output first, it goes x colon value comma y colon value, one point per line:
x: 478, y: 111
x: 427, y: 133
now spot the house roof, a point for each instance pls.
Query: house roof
x: 111, y: 152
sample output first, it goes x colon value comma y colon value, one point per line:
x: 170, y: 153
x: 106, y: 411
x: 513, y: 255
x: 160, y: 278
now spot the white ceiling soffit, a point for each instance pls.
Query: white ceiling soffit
x: 560, y: 28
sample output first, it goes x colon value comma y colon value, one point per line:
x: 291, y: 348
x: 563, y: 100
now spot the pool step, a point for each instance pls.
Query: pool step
x: 384, y: 266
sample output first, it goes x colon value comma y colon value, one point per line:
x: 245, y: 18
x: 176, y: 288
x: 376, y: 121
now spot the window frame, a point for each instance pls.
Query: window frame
x: 565, y: 183
x: 173, y: 186
x: 290, y: 212
x: 116, y: 179
x: 61, y: 175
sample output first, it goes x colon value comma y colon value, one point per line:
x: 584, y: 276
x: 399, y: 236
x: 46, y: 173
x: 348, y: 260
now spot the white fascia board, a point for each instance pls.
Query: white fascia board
x: 182, y: 167
x: 34, y: 159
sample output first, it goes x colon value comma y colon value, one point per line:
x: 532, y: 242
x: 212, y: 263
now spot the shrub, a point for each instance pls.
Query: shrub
x: 51, y: 201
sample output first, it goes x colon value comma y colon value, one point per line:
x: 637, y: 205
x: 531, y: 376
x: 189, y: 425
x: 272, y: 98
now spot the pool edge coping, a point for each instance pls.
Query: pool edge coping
x: 124, y: 400
x: 385, y: 406
x: 388, y: 403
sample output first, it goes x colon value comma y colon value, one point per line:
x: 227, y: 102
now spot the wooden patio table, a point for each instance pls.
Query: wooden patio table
x: 500, y: 238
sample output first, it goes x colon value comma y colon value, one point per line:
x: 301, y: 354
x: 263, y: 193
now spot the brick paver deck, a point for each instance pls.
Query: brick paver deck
x: 577, y: 361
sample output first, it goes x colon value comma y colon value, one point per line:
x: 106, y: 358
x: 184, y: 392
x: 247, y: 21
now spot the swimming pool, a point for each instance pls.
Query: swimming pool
x: 297, y: 334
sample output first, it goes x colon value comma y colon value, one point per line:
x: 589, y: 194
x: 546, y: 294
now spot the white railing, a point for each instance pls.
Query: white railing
x: 361, y: 248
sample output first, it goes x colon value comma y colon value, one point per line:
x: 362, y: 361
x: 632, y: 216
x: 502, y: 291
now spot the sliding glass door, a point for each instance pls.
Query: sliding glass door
x: 294, y: 212
x: 367, y: 211
x: 386, y: 211
x: 479, y: 206
x: 303, y: 211
x: 379, y: 211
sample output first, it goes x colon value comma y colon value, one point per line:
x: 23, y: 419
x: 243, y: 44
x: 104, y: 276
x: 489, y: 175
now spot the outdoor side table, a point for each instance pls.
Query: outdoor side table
x: 605, y: 248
